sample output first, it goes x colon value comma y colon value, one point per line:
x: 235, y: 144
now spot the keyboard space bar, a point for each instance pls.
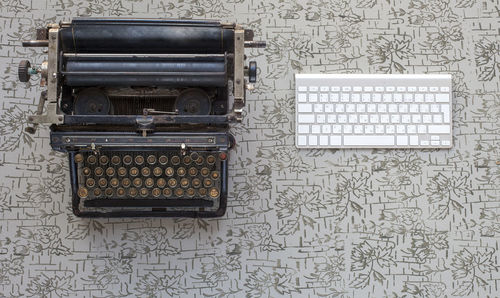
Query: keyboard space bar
x: 370, y: 140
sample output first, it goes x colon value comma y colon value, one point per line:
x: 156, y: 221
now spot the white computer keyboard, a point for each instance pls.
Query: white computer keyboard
x: 373, y: 111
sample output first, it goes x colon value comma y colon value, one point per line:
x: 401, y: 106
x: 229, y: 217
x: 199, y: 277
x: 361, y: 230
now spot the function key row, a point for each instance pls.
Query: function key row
x: 373, y: 89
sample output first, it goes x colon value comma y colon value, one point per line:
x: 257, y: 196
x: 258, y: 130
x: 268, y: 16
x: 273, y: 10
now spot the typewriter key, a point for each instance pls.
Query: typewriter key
x: 149, y: 182
x: 172, y: 182
x: 175, y: 160
x: 90, y: 182
x: 196, y: 182
x: 207, y: 182
x: 78, y: 158
x: 157, y: 171
x: 108, y: 192
x: 181, y: 171
x: 139, y: 159
x: 134, y: 171
x: 103, y: 182
x: 86, y: 171
x: 103, y: 160
x: 186, y: 160
x: 223, y: 155
x: 204, y: 172
x: 184, y: 182
x: 92, y: 159
x: 193, y: 171
x: 97, y: 192
x: 202, y: 192
x: 110, y: 171
x: 83, y: 192
x: 167, y: 192
x: 122, y: 171
x: 161, y: 183
x: 127, y: 159
x: 211, y: 159
x: 163, y: 160
x: 114, y: 182
x: 137, y: 182
x: 214, y: 192
x: 199, y: 160
x: 190, y: 192
x: 144, y: 192
x: 145, y: 172
x: 194, y: 156
x: 169, y: 171
x: 215, y: 175
x: 98, y: 171
x: 133, y: 192
x: 156, y: 192
x: 115, y: 160
x: 179, y: 192
x: 126, y: 182
x: 120, y: 192
x: 151, y: 159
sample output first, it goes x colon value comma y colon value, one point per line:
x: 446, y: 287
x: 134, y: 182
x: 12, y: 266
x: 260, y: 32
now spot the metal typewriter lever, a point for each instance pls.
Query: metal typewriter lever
x: 147, y: 112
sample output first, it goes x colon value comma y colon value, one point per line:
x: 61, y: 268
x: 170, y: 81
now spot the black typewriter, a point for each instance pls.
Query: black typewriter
x: 142, y: 107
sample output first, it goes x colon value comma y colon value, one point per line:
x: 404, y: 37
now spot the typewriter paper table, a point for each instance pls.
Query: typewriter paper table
x: 302, y: 223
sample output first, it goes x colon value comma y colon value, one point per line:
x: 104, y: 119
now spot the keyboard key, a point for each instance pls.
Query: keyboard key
x: 433, y: 89
x: 323, y: 97
x: 360, y: 108
x: 384, y: 118
x: 387, y: 97
x: 318, y: 108
x: 303, y: 128
x: 329, y: 108
x: 366, y: 97
x: 323, y: 140
x: 358, y: 129
x: 335, y: 140
x: 332, y: 118
x: 442, y: 97
x: 427, y: 118
x: 435, y: 108
x: 334, y: 97
x: 313, y: 140
x: 305, y: 108
x: 336, y: 129
x: 379, y: 89
x: 346, y: 88
x: 393, y: 108
x: 302, y: 88
x: 419, y: 97
x: 439, y: 129
x: 405, y: 118
x: 416, y: 118
x: 326, y: 128
x: 445, y: 109
x: 429, y: 97
x: 302, y: 97
x: 445, y: 143
x: 353, y: 118
x: 424, y: 143
x: 345, y: 97
x: 324, y: 88
x: 401, y: 88
x: 363, y: 118
x: 390, y: 129
x: 368, y: 140
x: 355, y: 97
x: 347, y: 128
x: 390, y: 88
x: 342, y: 118
x: 413, y: 140
x: 379, y: 129
x: 306, y: 118
x: 445, y: 89
x: 302, y: 140
x: 402, y: 140
x: 413, y: 108
x: 437, y: 118
x: 424, y: 108
x: 313, y: 97
x: 394, y: 118
x: 376, y: 97
x: 400, y: 129
x: 315, y: 129
x: 408, y: 97
x: 435, y: 143
x: 371, y: 108
x: 422, y: 129
x: 374, y: 118
x: 321, y: 118
x: 422, y: 89
x: 411, y: 129
x: 398, y: 97
x: 412, y: 89
x: 313, y: 88
x: 382, y: 108
x: 335, y: 88
x: 434, y: 138
x: 357, y: 88
x: 339, y: 108
x: 403, y: 108
x: 369, y: 129
x: 350, y: 108
x: 368, y: 88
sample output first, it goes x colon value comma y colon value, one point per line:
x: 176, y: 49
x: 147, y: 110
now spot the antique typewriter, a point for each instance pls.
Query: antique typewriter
x: 142, y: 107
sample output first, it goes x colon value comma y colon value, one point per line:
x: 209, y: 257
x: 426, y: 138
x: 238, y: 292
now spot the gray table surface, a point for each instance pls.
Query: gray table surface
x: 302, y: 223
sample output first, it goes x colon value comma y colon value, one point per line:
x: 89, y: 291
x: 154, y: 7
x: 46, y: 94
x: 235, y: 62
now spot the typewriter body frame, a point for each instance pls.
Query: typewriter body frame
x: 156, y: 130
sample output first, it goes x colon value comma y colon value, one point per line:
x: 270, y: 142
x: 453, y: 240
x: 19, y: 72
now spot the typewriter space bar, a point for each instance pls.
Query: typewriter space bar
x: 148, y: 203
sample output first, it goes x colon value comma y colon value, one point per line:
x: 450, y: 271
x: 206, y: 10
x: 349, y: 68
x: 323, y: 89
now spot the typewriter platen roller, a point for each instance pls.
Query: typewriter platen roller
x: 143, y: 107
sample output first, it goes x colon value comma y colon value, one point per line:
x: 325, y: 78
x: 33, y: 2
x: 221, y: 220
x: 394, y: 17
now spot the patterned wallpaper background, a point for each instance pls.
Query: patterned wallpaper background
x: 302, y: 223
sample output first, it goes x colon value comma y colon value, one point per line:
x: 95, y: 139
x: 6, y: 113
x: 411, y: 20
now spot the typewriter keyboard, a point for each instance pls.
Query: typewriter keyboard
x: 120, y: 175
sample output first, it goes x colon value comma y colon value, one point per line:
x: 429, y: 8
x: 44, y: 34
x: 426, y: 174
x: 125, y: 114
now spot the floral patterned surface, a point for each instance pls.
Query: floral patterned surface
x: 302, y: 223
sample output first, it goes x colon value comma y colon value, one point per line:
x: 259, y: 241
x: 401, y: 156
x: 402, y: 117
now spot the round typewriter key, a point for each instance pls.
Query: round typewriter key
x: 211, y: 159
x: 103, y: 182
x: 97, y: 192
x: 169, y: 171
x: 196, y: 182
x: 207, y: 182
x: 103, y: 160
x: 167, y: 192
x: 175, y: 160
x: 122, y: 171
x: 184, y: 182
x: 86, y: 171
x: 172, y: 182
x: 83, y: 192
x: 108, y: 192
x: 115, y: 160
x: 90, y: 182
x: 204, y: 172
x: 110, y: 171
x: 214, y: 192
x: 144, y: 192
x: 157, y: 171
x: 133, y: 192
x: 149, y: 182
x: 161, y: 183
x: 163, y: 160
x: 202, y: 192
x: 120, y: 192
x: 126, y: 182
x: 114, y: 182
x: 179, y: 192
x: 137, y: 182
x: 181, y: 171
x: 193, y: 171
x: 215, y: 175
x: 134, y: 171
x: 194, y: 156
x: 78, y: 158
x: 127, y: 159
x: 186, y: 160
x: 190, y: 192
x: 98, y: 171
x: 199, y: 160
x: 92, y: 159
x: 151, y: 159
x: 145, y: 172
x: 156, y: 192
x: 139, y: 159
x: 223, y: 155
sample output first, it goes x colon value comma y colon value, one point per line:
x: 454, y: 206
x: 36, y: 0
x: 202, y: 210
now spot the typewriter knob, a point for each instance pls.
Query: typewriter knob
x: 24, y: 71
x: 252, y: 72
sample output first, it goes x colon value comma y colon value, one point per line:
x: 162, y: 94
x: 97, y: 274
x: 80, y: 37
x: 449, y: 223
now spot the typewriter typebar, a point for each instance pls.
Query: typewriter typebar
x: 143, y: 107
